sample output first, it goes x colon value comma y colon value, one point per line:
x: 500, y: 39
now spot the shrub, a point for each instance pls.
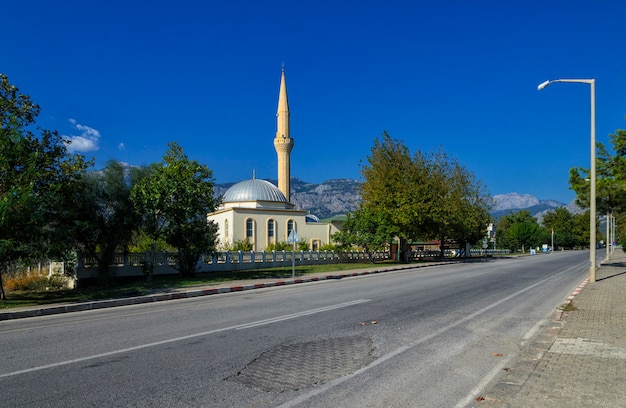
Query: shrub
x: 278, y: 246
x: 242, y: 245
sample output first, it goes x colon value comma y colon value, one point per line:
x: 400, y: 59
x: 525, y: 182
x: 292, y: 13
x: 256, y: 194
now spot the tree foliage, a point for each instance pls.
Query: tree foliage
x: 36, y: 175
x: 104, y: 218
x: 367, y: 229
x: 518, y: 231
x: 174, y: 201
x: 461, y: 204
x: 570, y: 230
x: 610, y: 180
x: 418, y: 197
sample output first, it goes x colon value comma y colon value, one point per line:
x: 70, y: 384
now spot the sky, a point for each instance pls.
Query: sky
x: 122, y: 79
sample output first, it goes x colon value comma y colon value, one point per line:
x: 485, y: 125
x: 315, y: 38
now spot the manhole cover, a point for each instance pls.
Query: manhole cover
x: 301, y: 365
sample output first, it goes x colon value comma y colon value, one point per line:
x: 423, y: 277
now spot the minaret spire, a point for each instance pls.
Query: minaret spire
x: 283, y: 143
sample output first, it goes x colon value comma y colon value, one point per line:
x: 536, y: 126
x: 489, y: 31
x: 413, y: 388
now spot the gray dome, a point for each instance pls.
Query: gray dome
x: 254, y: 190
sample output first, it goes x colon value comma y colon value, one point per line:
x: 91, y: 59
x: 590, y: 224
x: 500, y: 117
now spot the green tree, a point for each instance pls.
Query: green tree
x: 610, y: 180
x: 396, y: 186
x: 105, y: 219
x: 366, y: 228
x: 462, y: 203
x: 519, y: 230
x: 174, y: 201
x: 563, y: 223
x: 35, y: 175
x: 424, y: 196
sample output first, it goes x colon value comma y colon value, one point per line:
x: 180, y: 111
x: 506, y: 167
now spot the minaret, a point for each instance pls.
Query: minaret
x: 283, y: 141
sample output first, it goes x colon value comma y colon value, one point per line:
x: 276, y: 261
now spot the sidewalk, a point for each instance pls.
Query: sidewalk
x: 579, y: 360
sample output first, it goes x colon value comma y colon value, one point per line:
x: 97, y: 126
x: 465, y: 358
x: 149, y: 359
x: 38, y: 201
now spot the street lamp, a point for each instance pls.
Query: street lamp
x: 592, y: 175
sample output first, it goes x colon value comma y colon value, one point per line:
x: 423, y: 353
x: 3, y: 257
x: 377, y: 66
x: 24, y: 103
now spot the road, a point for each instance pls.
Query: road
x: 432, y: 337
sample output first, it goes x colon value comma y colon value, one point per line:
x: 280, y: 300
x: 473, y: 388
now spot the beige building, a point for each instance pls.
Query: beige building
x: 261, y: 213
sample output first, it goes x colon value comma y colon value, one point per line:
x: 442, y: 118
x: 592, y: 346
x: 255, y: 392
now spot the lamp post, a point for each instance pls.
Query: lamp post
x: 608, y: 235
x: 592, y: 175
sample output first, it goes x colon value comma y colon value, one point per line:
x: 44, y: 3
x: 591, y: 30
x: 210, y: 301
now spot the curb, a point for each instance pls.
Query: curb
x: 559, y: 312
x: 530, y: 356
x: 160, y: 297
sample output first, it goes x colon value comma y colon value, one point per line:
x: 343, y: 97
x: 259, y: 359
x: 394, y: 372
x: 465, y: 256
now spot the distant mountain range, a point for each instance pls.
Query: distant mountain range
x: 514, y: 202
x: 341, y: 196
x: 324, y: 200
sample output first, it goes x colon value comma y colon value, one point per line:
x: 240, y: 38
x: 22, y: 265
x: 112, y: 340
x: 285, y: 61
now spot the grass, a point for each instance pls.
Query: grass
x: 141, y: 287
x: 568, y: 307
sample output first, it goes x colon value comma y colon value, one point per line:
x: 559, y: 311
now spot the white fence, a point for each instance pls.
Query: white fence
x: 132, y: 264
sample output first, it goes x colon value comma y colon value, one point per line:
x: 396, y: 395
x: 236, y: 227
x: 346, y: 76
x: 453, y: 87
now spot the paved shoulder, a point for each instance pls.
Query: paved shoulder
x: 579, y: 360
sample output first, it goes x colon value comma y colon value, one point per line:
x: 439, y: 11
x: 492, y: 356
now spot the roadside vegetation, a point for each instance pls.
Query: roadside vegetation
x: 30, y: 290
x: 53, y: 205
x: 415, y: 197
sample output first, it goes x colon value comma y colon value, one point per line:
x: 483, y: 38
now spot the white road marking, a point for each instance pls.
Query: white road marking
x: 191, y: 336
x: 323, y: 388
x: 300, y: 314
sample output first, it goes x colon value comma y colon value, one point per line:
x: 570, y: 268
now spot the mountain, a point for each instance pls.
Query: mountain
x: 328, y: 199
x: 514, y: 202
x: 324, y: 200
x: 341, y: 196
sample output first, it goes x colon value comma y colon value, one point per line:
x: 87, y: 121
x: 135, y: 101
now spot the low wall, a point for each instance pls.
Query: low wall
x: 132, y: 264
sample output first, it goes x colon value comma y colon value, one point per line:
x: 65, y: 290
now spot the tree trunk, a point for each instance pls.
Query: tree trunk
x: 403, y: 249
x: 3, y: 296
x: 441, y: 248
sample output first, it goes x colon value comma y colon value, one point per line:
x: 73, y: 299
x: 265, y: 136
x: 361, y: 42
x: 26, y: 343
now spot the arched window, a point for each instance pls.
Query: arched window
x: 271, y: 231
x: 226, y: 229
x: 291, y: 225
x: 315, y: 245
x: 249, y: 229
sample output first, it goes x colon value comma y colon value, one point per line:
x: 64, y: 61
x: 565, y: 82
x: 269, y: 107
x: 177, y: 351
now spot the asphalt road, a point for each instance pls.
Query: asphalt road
x: 429, y: 337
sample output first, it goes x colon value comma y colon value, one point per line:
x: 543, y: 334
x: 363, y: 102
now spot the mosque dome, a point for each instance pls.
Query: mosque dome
x: 254, y: 190
x: 311, y: 218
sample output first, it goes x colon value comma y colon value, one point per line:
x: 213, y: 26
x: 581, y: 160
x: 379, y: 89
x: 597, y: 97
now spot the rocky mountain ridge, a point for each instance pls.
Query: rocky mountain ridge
x: 341, y: 196
x: 514, y: 202
x: 324, y: 200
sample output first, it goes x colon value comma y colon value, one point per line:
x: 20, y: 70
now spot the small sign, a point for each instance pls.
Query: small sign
x: 293, y: 237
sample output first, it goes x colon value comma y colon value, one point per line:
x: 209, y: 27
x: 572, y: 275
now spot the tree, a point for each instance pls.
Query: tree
x: 174, y: 201
x: 366, y: 228
x: 519, y: 230
x: 563, y: 223
x: 396, y: 187
x: 422, y: 196
x: 35, y: 175
x: 610, y: 179
x: 104, y: 218
x: 461, y: 210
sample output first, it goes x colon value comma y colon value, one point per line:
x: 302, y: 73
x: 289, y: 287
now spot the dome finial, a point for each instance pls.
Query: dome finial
x: 254, y: 174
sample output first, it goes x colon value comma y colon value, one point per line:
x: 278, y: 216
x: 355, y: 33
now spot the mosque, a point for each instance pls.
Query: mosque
x: 261, y: 213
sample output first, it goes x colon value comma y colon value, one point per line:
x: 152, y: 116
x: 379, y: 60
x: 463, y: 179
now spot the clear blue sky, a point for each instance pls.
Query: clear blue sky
x: 130, y: 76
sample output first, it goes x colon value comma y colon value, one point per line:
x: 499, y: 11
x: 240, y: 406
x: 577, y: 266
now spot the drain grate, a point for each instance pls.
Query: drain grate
x: 301, y: 365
